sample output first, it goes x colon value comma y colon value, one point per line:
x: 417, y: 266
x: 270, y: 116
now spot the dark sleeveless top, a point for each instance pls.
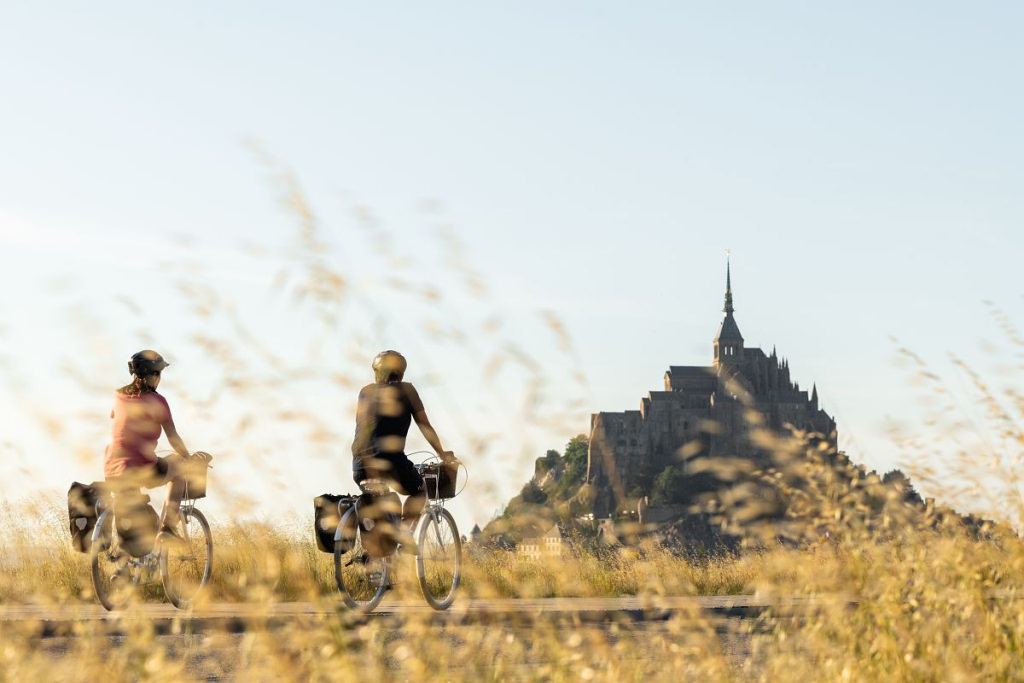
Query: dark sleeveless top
x: 396, y: 425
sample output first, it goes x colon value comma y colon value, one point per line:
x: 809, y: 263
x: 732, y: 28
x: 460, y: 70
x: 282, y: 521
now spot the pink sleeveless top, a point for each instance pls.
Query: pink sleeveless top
x: 134, y: 431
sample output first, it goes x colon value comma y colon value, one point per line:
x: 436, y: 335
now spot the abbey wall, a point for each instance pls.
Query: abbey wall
x: 702, y: 412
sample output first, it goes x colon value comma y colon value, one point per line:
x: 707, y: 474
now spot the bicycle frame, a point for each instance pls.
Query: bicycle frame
x: 150, y: 562
x: 139, y: 569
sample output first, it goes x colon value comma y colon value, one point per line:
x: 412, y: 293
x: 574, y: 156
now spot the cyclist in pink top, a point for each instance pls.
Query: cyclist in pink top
x: 139, y: 415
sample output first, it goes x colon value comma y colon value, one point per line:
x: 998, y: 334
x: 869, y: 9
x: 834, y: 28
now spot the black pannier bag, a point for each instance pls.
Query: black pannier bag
x: 379, y: 520
x: 82, y: 515
x: 440, y: 477
x: 327, y: 512
x: 137, y: 523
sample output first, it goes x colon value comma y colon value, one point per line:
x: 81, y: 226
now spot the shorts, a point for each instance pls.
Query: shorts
x: 144, y: 476
x: 395, y: 468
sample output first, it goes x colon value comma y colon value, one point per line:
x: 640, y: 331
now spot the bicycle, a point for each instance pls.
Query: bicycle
x: 184, y: 565
x: 363, y: 577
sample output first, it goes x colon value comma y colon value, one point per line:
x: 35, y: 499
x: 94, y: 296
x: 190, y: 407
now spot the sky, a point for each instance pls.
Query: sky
x: 565, y: 178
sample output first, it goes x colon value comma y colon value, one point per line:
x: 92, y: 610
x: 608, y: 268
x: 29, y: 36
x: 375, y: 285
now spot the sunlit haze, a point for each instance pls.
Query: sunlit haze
x: 532, y: 201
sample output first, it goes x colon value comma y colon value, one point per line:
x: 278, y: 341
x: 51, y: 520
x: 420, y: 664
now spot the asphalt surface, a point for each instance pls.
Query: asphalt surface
x: 237, y: 617
x: 209, y: 640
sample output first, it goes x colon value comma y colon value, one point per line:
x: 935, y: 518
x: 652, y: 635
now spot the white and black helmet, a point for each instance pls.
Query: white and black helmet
x: 147, y: 362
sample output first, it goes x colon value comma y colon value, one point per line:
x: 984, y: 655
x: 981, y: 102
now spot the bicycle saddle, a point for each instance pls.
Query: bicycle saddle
x: 375, y: 487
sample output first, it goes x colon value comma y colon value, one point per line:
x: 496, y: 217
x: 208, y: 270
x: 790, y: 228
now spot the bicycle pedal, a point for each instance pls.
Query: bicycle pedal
x: 360, y: 559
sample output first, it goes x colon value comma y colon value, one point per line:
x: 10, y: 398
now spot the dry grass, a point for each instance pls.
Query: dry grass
x: 259, y: 563
x: 924, y: 604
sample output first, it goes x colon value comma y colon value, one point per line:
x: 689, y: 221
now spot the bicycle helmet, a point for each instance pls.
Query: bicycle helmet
x: 389, y: 367
x: 147, y: 362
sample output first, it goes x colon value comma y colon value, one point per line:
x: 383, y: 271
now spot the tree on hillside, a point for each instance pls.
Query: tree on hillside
x: 901, y: 483
x: 532, y: 493
x: 576, y: 459
x: 563, y: 497
x: 550, y: 461
x: 574, y: 469
x: 668, y: 486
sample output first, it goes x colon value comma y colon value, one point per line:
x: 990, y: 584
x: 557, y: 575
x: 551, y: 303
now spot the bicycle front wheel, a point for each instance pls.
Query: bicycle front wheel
x: 361, y: 579
x: 113, y: 574
x: 186, y: 564
x: 439, y: 563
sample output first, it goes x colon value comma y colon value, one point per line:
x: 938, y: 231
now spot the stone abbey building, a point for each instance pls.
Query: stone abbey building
x: 698, y: 415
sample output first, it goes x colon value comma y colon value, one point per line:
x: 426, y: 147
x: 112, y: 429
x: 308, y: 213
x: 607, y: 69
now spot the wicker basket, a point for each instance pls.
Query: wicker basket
x: 440, y: 478
x: 195, y: 469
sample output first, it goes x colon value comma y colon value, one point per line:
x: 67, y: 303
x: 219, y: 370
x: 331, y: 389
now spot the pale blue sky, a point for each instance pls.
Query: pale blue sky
x: 863, y: 163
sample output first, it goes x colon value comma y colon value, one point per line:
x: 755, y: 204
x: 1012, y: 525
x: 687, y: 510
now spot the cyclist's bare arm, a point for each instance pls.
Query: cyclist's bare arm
x: 423, y: 422
x: 362, y: 442
x: 428, y: 432
x: 172, y: 437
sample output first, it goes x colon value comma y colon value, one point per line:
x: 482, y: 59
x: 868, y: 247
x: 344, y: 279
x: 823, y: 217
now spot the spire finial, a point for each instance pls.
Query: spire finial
x: 728, y: 283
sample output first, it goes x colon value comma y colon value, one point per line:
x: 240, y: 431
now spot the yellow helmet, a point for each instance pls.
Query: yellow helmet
x: 389, y: 367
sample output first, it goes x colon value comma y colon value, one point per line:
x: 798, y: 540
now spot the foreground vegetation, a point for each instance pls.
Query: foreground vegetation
x: 865, y: 583
x: 920, y: 602
x: 258, y: 562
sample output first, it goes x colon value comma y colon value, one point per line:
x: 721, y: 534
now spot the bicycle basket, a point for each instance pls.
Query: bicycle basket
x: 195, y: 469
x: 440, y: 478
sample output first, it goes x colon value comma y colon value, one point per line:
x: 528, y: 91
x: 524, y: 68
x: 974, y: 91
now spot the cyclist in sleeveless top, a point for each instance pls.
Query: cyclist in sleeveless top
x: 138, y: 417
x: 384, y: 413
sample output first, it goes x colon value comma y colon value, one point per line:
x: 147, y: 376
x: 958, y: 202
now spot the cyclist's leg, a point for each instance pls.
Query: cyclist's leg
x: 169, y: 471
x: 359, y: 472
x: 410, y: 483
x: 129, y: 483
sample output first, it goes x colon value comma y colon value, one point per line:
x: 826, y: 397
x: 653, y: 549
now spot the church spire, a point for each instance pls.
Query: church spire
x: 728, y: 344
x: 728, y: 285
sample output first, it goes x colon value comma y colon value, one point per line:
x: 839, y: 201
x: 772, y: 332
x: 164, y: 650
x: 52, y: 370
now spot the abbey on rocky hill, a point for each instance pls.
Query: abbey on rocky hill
x: 698, y: 415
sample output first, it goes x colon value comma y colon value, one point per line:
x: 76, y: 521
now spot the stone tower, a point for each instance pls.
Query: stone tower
x: 698, y: 415
x: 728, y: 344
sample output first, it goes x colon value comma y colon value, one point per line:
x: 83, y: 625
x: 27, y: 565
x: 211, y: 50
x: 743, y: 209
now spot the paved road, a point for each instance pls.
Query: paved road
x: 210, y: 640
x: 241, y: 616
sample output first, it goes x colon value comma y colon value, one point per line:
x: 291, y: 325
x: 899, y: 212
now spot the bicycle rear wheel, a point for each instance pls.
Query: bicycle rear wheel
x: 361, y: 579
x: 186, y: 564
x: 114, y: 575
x: 439, y: 563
